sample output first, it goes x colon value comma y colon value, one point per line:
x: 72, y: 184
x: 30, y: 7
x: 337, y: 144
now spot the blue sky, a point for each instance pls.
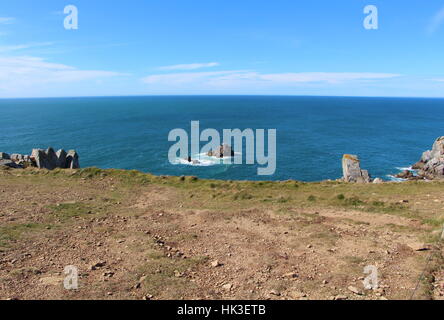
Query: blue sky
x: 144, y: 47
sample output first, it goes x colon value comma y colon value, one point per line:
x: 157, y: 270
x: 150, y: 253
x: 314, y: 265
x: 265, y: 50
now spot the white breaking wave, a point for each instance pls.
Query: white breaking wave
x: 395, y: 179
x: 405, y: 168
x: 197, y: 163
x: 202, y: 160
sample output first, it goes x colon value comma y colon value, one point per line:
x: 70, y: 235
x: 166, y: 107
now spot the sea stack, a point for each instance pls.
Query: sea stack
x: 431, y: 164
x: 223, y: 151
x: 352, y: 172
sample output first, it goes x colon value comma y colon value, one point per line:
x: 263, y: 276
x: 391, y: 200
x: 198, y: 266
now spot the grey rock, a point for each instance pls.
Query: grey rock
x: 16, y: 157
x: 51, y: 159
x: 431, y: 164
x: 223, y: 151
x: 378, y: 180
x: 4, y: 156
x: 61, y: 159
x: 365, y: 176
x: 39, y: 157
x: 438, y: 148
x: 44, y: 159
x: 72, y: 160
x: 406, y: 174
x: 426, y: 156
x: 9, y: 163
x: 439, y: 170
x: 351, y: 169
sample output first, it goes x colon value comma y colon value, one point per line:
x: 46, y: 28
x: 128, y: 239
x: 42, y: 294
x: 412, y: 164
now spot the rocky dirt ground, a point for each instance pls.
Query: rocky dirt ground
x: 137, y: 236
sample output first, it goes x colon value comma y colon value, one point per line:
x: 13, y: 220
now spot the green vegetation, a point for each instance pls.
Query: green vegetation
x: 14, y: 232
x: 162, y: 274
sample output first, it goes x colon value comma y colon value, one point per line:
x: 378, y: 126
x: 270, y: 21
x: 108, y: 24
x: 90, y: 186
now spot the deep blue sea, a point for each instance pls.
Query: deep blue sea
x: 312, y: 132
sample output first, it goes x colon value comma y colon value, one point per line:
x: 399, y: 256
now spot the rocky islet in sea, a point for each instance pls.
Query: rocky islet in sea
x: 42, y: 159
x: 429, y: 167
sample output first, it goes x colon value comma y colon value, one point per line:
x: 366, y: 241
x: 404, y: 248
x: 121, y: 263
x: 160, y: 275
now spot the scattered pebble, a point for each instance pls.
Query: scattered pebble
x: 227, y: 286
x: 216, y: 264
x: 354, y: 290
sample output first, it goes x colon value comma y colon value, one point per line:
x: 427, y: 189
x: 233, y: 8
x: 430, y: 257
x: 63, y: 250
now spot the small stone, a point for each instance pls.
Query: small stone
x: 227, y: 286
x: 275, y: 293
x: 354, y: 290
x: 341, y: 297
x: 216, y: 264
x: 291, y: 275
x: 98, y: 265
x: 418, y: 247
x: 297, y: 295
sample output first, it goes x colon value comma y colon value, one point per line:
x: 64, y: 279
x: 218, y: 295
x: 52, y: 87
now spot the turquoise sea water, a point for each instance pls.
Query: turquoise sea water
x: 312, y: 132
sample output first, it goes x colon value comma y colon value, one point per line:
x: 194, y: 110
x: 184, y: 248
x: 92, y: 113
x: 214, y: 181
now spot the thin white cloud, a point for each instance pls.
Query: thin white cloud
x: 21, y: 73
x: 436, y: 21
x: 17, y: 47
x: 238, y: 77
x: 191, y: 66
x: 189, y: 77
x: 6, y: 20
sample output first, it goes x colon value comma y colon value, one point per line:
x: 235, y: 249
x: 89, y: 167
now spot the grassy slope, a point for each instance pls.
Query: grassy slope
x: 143, y: 225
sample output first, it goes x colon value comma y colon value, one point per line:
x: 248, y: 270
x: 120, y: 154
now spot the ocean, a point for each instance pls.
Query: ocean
x: 312, y: 132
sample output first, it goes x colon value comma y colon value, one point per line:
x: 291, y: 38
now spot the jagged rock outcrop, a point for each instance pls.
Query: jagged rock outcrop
x: 72, y: 160
x: 61, y: 158
x: 40, y: 159
x: 16, y: 157
x: 352, y: 172
x: 43, y: 159
x: 8, y: 163
x: 431, y: 164
x: 52, y: 158
x: 4, y: 156
x: 223, y: 151
x: 406, y: 174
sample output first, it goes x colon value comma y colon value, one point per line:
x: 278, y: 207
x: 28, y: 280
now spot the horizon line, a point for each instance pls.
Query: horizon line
x: 218, y: 95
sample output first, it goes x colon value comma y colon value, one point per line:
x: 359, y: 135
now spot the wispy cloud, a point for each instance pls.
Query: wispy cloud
x: 436, y: 21
x: 191, y: 66
x: 17, y: 47
x: 189, y: 77
x: 238, y: 77
x: 6, y: 20
x: 21, y: 73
